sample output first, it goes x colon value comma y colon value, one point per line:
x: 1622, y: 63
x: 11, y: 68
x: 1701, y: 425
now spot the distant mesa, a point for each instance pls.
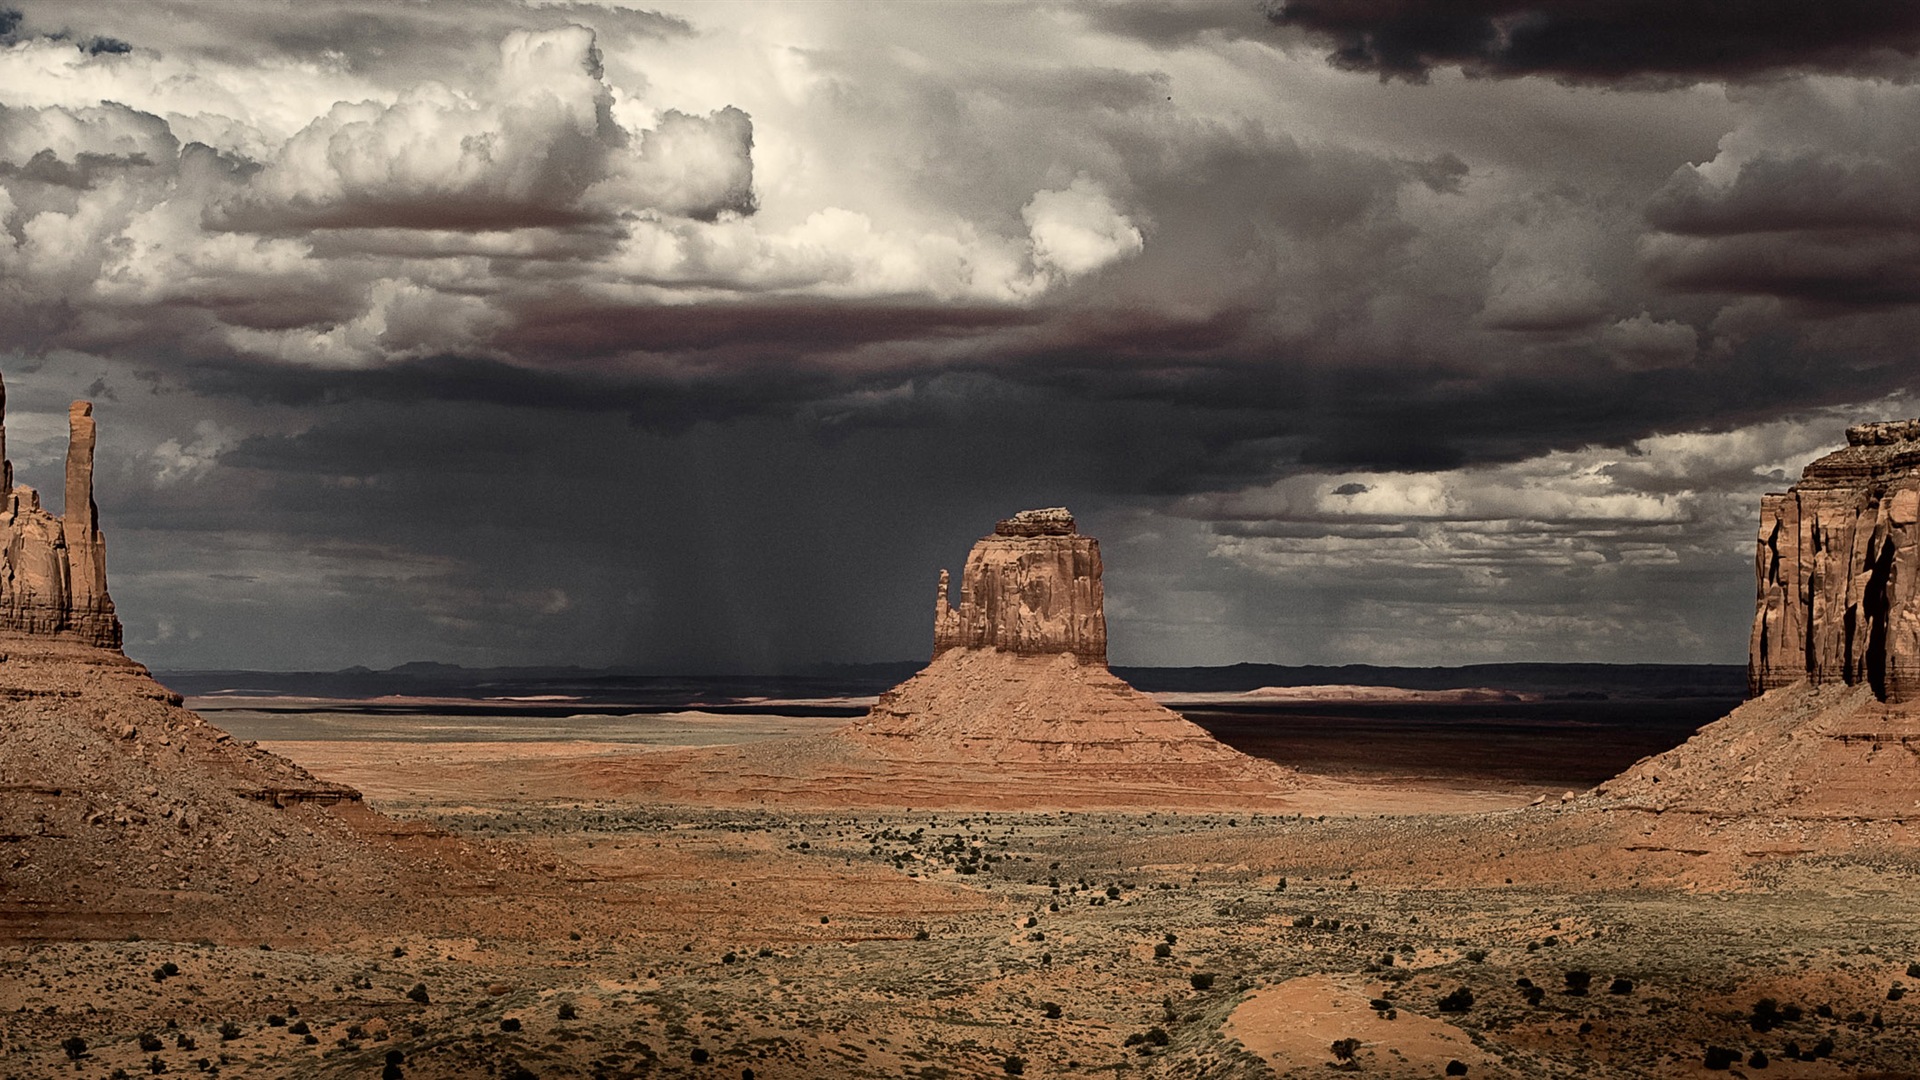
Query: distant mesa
x: 54, y: 581
x: 1838, y: 570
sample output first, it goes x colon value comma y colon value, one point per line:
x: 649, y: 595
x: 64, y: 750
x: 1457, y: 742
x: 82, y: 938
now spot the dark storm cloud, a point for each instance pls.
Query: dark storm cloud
x: 1830, y: 228
x: 495, y: 333
x: 1610, y: 40
x: 569, y: 325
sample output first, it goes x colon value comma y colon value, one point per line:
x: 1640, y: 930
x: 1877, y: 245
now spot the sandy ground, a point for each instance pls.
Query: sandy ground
x: 546, y: 769
x: 586, y: 933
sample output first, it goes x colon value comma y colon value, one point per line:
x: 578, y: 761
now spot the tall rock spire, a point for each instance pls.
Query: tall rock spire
x: 53, y: 572
x: 91, y: 610
x: 6, y: 466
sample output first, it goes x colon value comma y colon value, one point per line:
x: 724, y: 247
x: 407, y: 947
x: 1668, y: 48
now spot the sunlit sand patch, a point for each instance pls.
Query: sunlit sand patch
x: 1293, y: 1027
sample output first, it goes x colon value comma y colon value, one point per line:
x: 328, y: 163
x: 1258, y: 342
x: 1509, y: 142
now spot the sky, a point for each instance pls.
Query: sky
x: 700, y: 336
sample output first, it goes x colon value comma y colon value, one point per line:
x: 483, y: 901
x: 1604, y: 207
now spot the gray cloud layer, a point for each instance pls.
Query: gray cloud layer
x: 499, y: 333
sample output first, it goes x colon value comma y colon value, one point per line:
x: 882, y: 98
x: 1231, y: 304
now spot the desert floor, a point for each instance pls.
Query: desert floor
x: 735, y: 942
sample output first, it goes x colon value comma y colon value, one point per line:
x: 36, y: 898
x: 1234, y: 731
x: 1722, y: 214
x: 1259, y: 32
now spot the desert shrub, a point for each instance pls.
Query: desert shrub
x: 1456, y: 1068
x: 1386, y: 959
x: 1158, y: 1036
x: 150, y: 1042
x: 1758, y: 1059
x: 1458, y: 1002
x: 1162, y: 951
x: 1719, y: 1057
x: 700, y: 1055
x: 921, y: 935
x: 1913, y: 971
x: 1344, y: 1049
x: 1578, y: 981
x: 1113, y: 892
x: 1478, y: 956
x: 1534, y: 995
x: 1050, y: 1010
x: 298, y: 1027
x: 1621, y: 985
x: 1171, y: 940
x: 567, y: 1011
x: 1201, y: 981
x: 74, y: 1047
x: 509, y: 1023
x: 183, y: 1041
x: 1896, y: 992
x: 419, y: 995
x: 513, y: 1070
x: 730, y: 958
x: 157, y: 1065
x: 1134, y: 1039
x: 1823, y: 1048
x: 276, y: 1020
x: 229, y: 1031
x: 1014, y: 1065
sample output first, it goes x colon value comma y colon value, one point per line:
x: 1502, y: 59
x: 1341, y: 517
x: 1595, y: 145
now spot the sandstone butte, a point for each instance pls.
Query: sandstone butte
x: 1834, y: 722
x: 1823, y: 760
x: 1016, y: 710
x: 120, y: 810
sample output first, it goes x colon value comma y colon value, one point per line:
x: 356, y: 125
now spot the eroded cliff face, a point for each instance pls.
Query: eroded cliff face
x: 53, y: 571
x: 1031, y: 589
x: 1838, y: 567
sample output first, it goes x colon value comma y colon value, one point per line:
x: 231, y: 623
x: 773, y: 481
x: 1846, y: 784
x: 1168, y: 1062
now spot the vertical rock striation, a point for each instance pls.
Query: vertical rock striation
x: 1030, y: 589
x: 53, y: 572
x: 1838, y: 570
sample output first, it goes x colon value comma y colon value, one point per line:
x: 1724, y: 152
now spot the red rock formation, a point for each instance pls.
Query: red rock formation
x: 1031, y: 589
x: 53, y: 572
x: 1838, y: 570
x: 1017, y: 710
